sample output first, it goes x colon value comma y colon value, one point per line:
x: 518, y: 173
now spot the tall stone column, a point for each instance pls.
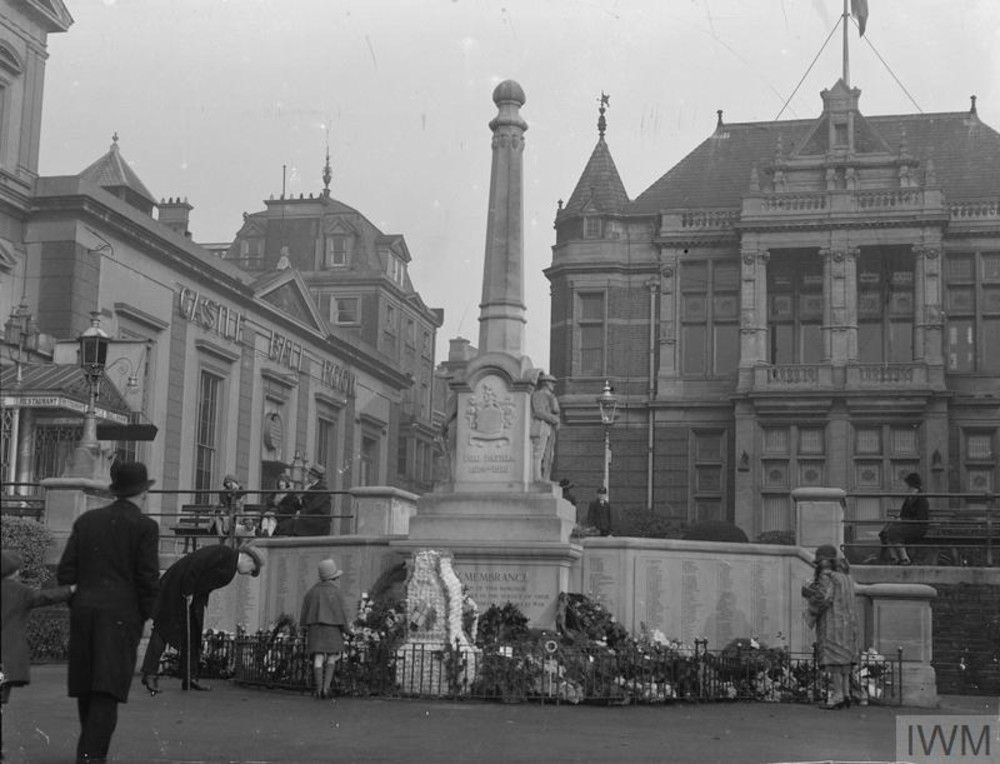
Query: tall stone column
x: 509, y: 532
x: 502, y: 310
x: 928, y: 316
x: 840, y: 304
x: 753, y: 313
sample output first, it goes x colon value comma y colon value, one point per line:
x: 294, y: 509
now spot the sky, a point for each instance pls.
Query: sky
x: 211, y: 98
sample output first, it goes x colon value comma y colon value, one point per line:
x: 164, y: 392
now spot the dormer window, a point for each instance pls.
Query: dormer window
x: 592, y: 227
x: 336, y: 251
x: 397, y: 270
x: 840, y: 134
x: 251, y: 253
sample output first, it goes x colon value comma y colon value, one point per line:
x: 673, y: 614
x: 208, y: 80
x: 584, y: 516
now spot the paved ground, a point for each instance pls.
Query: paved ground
x: 234, y: 724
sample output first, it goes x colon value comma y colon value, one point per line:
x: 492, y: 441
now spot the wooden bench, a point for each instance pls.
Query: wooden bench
x: 195, y: 522
x: 966, y: 536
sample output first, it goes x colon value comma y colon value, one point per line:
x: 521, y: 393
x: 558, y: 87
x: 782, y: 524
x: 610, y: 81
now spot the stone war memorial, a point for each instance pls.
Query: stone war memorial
x: 499, y: 513
x: 497, y: 525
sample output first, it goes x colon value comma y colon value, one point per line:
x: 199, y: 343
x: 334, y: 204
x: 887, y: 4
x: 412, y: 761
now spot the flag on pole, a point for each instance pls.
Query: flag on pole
x: 859, y: 10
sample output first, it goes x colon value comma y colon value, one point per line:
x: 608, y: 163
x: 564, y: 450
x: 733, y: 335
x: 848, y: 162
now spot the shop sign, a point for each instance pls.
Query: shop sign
x: 59, y: 402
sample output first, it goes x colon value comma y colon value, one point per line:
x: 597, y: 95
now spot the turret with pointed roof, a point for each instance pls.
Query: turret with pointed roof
x: 113, y: 173
x: 600, y: 190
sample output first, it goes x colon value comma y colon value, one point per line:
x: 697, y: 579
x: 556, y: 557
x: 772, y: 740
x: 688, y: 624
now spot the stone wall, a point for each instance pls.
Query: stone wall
x: 966, y: 652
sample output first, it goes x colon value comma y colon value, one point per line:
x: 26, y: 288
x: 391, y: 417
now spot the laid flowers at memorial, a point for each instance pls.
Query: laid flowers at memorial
x: 367, y: 666
x: 438, y: 657
x: 217, y: 656
x: 874, y: 675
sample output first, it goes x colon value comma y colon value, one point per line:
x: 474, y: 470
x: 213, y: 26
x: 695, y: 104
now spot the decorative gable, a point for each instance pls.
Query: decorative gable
x: 288, y: 293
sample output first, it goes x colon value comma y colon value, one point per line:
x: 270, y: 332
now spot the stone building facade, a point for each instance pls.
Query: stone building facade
x: 802, y: 303
x: 240, y: 364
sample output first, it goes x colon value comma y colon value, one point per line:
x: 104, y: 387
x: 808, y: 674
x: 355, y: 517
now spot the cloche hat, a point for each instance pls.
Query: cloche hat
x: 328, y: 570
x: 825, y: 552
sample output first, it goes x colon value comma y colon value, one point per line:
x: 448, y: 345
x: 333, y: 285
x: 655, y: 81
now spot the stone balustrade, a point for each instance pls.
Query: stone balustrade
x: 775, y: 378
x: 974, y: 210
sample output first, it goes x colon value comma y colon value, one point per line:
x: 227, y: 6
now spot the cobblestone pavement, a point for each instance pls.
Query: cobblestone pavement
x: 238, y: 724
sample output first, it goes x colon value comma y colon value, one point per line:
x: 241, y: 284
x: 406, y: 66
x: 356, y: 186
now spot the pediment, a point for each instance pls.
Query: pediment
x: 334, y: 224
x: 289, y: 294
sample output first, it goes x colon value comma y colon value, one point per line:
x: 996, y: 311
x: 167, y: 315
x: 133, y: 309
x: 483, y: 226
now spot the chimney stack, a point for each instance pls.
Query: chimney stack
x: 175, y: 214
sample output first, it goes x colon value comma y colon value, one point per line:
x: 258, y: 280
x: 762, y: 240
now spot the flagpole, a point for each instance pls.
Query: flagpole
x: 847, y: 58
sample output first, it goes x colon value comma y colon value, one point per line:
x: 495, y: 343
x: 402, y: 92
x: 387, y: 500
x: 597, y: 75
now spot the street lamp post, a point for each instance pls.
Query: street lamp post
x: 93, y: 357
x: 608, y: 406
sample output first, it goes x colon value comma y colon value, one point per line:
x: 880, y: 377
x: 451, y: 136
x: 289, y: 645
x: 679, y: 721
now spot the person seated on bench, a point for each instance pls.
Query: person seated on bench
x: 911, y: 525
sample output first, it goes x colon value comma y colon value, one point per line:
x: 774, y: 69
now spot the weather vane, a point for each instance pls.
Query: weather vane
x: 602, y: 123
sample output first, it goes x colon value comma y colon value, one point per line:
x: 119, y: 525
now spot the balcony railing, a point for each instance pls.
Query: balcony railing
x: 777, y: 378
x: 886, y: 375
x: 842, y: 203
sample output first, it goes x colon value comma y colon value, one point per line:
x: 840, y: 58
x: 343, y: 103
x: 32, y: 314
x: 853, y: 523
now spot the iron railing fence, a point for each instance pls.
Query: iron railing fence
x: 554, y: 673
x: 23, y: 500
x: 963, y: 528
x: 186, y: 516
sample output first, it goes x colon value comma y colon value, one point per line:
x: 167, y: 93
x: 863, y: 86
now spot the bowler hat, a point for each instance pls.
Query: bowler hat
x: 253, y: 553
x: 328, y: 570
x: 913, y: 480
x: 318, y: 470
x: 130, y: 479
x: 825, y: 552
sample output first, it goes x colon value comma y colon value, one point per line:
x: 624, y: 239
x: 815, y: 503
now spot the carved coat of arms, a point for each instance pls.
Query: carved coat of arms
x: 490, y: 418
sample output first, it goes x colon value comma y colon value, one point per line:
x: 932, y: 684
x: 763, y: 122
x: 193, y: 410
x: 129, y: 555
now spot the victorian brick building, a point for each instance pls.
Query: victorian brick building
x: 798, y: 303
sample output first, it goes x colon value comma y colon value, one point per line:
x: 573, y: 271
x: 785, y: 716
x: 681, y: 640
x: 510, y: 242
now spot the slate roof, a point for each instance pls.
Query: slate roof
x: 112, y: 171
x: 965, y: 152
x: 62, y: 379
x: 600, y: 188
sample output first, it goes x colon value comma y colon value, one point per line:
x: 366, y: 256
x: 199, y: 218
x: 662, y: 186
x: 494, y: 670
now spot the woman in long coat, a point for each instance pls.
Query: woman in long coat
x: 185, y: 587
x: 833, y: 613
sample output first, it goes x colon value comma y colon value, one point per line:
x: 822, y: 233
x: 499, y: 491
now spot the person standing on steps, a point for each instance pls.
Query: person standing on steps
x: 112, y: 556
x: 179, y: 613
x: 599, y: 512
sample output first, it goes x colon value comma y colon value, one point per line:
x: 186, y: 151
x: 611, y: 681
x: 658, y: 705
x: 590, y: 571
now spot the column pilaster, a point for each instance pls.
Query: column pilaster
x: 753, y: 311
x: 840, y: 304
x: 928, y: 314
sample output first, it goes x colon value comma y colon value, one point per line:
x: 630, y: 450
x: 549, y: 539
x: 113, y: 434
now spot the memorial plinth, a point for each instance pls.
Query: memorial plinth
x: 508, y: 533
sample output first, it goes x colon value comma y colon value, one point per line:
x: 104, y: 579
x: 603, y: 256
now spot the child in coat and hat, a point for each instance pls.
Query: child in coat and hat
x: 17, y: 603
x: 324, y: 619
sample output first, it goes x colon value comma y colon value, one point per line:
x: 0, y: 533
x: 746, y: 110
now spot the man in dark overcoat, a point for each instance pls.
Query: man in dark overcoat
x: 112, y: 556
x: 314, y: 517
x: 179, y: 613
x: 599, y: 512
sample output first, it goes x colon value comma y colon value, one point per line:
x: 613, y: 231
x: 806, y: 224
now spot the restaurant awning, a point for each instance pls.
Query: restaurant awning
x: 63, y: 387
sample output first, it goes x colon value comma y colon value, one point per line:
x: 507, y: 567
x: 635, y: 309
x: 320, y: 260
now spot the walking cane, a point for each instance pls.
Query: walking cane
x: 187, y: 626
